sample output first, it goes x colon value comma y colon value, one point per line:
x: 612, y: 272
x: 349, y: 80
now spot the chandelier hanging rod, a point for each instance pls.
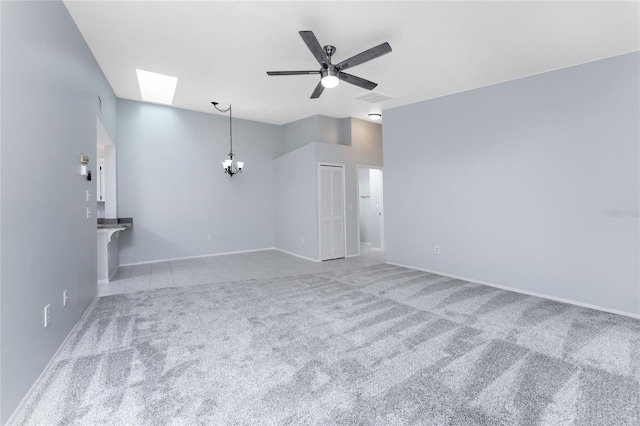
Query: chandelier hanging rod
x: 215, y: 105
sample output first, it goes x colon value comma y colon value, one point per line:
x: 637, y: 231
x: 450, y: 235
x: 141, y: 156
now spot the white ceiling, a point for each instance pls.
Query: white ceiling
x: 222, y: 50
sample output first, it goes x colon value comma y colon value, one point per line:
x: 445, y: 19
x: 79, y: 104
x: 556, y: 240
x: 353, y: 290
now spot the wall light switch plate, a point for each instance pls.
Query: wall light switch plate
x: 47, y: 315
x: 88, y: 213
x: 65, y: 298
x: 87, y: 195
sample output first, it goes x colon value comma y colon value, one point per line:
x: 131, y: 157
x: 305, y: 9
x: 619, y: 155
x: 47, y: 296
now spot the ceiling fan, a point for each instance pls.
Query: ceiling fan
x: 332, y: 74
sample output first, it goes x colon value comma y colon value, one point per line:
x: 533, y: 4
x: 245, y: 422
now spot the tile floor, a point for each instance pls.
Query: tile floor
x: 232, y: 267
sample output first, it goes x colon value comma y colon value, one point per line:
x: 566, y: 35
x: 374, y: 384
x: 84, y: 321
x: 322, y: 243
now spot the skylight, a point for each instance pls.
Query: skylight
x: 158, y: 88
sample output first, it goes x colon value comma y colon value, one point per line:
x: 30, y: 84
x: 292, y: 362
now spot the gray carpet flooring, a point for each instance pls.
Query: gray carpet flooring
x: 381, y: 345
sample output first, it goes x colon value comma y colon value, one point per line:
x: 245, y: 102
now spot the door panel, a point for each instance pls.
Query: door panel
x: 331, y: 199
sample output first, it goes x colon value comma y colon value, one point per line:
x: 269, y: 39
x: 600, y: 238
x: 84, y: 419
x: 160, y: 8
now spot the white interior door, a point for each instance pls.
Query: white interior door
x: 331, y: 200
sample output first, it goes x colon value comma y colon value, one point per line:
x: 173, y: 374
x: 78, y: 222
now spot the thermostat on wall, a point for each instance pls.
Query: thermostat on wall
x: 84, y: 159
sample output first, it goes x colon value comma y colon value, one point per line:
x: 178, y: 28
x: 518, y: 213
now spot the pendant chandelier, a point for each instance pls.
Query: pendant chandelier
x: 231, y: 167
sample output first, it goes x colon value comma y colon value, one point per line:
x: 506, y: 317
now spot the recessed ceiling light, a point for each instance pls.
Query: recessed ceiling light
x: 375, y: 115
x: 158, y: 88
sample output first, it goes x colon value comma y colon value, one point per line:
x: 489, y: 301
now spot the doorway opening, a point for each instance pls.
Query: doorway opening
x: 370, y: 209
x: 106, y: 197
x: 108, y: 258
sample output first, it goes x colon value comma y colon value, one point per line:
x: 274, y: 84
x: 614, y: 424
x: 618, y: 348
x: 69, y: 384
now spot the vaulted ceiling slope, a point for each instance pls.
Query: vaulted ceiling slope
x: 222, y: 50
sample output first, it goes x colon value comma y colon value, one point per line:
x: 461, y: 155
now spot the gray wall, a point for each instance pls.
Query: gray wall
x: 317, y: 128
x: 514, y: 182
x: 296, y: 214
x: 296, y: 185
x: 51, y: 81
x: 171, y: 181
x: 365, y: 137
x: 166, y: 153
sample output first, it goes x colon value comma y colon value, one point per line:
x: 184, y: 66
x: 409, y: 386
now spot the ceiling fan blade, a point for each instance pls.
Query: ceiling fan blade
x: 360, y: 82
x: 292, y: 72
x: 312, y: 43
x: 318, y: 91
x: 367, y: 55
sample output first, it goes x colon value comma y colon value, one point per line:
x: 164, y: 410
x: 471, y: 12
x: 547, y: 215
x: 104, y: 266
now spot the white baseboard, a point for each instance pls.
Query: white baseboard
x: 219, y: 254
x: 110, y: 276
x: 113, y: 273
x: 528, y: 293
x: 20, y: 408
x: 296, y: 255
x: 197, y: 257
x: 371, y: 247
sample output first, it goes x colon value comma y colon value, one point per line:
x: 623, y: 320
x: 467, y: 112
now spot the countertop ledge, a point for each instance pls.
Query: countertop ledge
x: 126, y: 222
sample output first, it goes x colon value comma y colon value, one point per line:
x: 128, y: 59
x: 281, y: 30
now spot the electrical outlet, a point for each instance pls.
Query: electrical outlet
x: 436, y: 249
x: 87, y: 195
x: 209, y: 238
x: 88, y: 213
x: 65, y: 298
x: 47, y: 315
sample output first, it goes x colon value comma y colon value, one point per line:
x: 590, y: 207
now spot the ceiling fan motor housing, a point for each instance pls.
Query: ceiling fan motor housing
x: 329, y: 50
x: 331, y: 70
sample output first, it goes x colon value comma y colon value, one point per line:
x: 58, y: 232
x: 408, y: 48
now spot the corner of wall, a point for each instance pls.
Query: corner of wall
x: 345, y: 131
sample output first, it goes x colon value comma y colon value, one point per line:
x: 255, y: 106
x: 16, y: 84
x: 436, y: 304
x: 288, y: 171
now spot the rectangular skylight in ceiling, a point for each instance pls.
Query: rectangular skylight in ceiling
x: 158, y: 88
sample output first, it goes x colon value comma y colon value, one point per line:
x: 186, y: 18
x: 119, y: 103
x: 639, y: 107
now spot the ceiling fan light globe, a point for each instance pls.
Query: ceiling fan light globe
x: 330, y: 81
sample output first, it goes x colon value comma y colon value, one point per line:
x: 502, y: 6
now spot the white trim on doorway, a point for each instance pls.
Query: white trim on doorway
x: 344, y: 207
